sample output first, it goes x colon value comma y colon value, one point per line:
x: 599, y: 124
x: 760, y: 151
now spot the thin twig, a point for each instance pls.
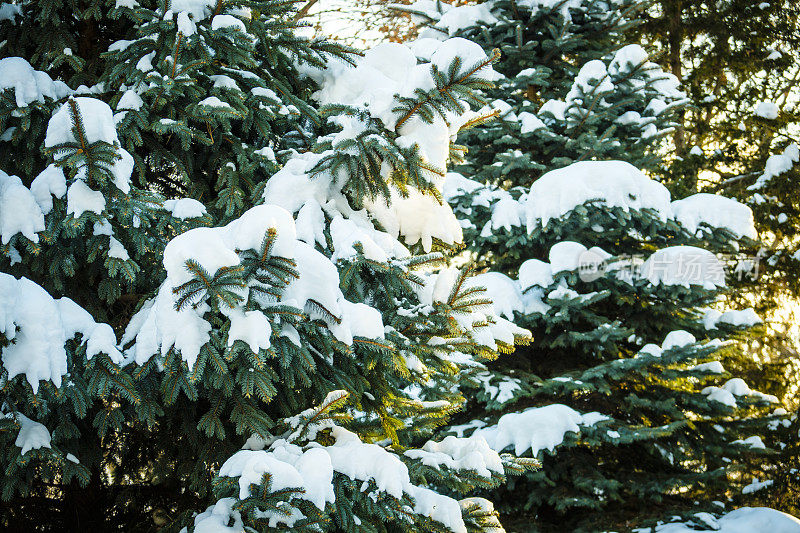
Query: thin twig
x: 304, y: 10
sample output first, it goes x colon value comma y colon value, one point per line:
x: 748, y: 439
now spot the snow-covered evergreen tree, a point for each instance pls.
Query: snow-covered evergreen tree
x: 220, y: 293
x: 571, y: 90
x: 621, y: 289
x: 623, y: 392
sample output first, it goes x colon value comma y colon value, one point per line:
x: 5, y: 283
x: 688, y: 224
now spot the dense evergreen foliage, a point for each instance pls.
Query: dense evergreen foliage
x: 187, y: 269
x: 737, y: 61
x: 235, y: 294
x: 575, y: 91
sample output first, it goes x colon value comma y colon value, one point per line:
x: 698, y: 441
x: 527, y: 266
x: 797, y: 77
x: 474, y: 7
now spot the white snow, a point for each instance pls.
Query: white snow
x: 536, y: 429
x: 529, y: 122
x: 291, y: 187
x: 677, y: 339
x: 504, y: 109
x: 715, y: 211
x: 388, y: 69
x: 651, y: 349
x: 119, y: 45
x: 10, y: 12
x: 289, y: 467
x: 456, y: 184
x: 358, y: 320
x: 738, y: 387
x: 49, y: 182
x: 557, y: 108
x: 655, y: 107
x: 506, y: 212
x: 222, y: 81
x: 345, y: 233
x: 565, y: 255
x: 384, y: 72
x: 502, y: 389
x: 459, y: 18
x: 563, y: 6
x: 39, y: 326
x: 629, y: 117
x: 455, y: 453
x: 294, y: 190
x: 252, y: 327
x: 534, y: 272
x: 504, y: 292
x: 684, y: 265
x: 29, y: 85
x: 216, y: 518
x: 756, y: 485
x: 777, y: 164
x: 158, y: 326
x: 19, y: 210
x: 318, y: 281
x: 122, y: 170
x: 592, y: 79
x: 266, y: 152
x: 98, y: 123
x: 32, y: 435
x: 766, y: 109
x: 615, y: 183
x: 198, y: 9
x: 469, y: 53
x: 145, y: 63
x: 264, y: 92
x: 213, y: 101
x: 665, y: 83
x: 490, y: 328
x: 117, y: 250
x: 753, y: 442
x: 731, y: 389
x: 368, y: 462
x: 184, y: 208
x: 483, y: 326
x: 130, y: 100
x: 185, y: 24
x: 745, y: 317
x: 81, y: 198
x: 626, y: 59
x: 227, y: 21
x: 720, y: 395
x: 714, y: 367
x: 439, y: 508
x: 417, y: 218
x: 744, y: 520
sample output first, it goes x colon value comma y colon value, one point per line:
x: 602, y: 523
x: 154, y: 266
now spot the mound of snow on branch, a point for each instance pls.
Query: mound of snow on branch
x: 38, y: 327
x: 537, y: 428
x: 159, y: 326
x: 388, y: 71
x: 608, y: 183
x: 742, y: 520
x: 311, y: 469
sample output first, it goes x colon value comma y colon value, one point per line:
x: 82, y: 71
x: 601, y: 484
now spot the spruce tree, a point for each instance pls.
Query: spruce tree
x: 220, y: 293
x: 575, y: 87
x: 738, y: 64
x: 626, y: 366
x: 621, y: 288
